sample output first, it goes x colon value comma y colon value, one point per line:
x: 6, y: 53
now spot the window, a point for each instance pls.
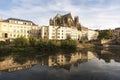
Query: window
x: 45, y: 33
x: 4, y: 25
x: 4, y: 35
x: 14, y: 30
x: 53, y: 33
x: 24, y: 31
x: 18, y: 35
x: 58, y: 33
x: 21, y: 31
x: 14, y: 35
x: 53, y: 36
x: 16, y: 22
x: 10, y: 35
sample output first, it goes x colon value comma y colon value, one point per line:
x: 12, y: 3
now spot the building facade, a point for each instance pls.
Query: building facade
x: 58, y: 33
x: 62, y: 26
x: 92, y: 35
x: 116, y: 32
x: 12, y: 28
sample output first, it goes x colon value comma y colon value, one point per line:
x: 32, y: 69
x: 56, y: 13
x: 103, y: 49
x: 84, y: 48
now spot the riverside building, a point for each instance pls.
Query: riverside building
x: 62, y: 26
x: 13, y: 28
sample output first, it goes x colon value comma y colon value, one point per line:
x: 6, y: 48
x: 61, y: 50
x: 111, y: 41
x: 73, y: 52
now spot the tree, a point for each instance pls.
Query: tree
x: 105, y: 34
x: 21, y: 42
x: 2, y: 43
x: 109, y: 34
x: 32, y: 41
x: 68, y: 44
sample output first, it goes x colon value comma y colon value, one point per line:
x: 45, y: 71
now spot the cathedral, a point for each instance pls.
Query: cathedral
x: 65, y: 21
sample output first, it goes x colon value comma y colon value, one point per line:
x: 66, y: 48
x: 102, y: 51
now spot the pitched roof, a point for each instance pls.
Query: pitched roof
x: 7, y: 20
x: 66, y: 15
x: 58, y: 16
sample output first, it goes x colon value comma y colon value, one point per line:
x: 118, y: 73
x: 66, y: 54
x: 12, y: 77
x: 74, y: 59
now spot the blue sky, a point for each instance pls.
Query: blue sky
x: 94, y: 14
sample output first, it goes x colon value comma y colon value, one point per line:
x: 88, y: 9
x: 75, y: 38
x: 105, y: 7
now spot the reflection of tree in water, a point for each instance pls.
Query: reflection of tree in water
x: 3, y: 56
x: 22, y: 58
x: 107, y: 55
x: 60, y: 60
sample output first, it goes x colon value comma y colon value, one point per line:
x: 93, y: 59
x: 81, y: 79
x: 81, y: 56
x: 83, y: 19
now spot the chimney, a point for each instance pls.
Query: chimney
x: 76, y: 19
x: 1, y: 19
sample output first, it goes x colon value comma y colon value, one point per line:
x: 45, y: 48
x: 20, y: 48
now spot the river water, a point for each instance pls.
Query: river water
x: 80, y: 65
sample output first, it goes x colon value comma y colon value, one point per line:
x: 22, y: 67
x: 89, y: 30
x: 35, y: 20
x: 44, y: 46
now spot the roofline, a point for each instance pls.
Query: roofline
x: 7, y: 20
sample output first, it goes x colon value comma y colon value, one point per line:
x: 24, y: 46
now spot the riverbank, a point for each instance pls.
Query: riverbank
x: 88, y: 46
x: 33, y: 45
x: 43, y: 50
x: 108, y: 46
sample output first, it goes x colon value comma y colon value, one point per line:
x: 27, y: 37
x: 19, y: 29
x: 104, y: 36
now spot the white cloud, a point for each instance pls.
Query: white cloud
x: 97, y: 16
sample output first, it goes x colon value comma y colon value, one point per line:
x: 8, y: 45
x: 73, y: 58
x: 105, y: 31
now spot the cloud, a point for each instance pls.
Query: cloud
x: 95, y: 14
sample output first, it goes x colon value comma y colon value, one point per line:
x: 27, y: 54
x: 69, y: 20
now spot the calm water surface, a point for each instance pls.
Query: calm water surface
x: 81, y: 65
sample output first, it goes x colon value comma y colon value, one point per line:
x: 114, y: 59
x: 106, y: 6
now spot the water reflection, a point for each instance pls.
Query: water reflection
x: 80, y: 65
x: 73, y: 58
x: 108, y: 55
x: 19, y: 61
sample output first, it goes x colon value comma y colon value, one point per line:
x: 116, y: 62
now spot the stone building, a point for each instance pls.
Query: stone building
x: 116, y: 32
x: 65, y: 20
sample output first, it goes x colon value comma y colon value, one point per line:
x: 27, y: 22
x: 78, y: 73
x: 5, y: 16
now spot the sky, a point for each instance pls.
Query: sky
x: 94, y: 14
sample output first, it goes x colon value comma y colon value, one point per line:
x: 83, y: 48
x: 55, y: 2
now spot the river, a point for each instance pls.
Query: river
x: 79, y: 65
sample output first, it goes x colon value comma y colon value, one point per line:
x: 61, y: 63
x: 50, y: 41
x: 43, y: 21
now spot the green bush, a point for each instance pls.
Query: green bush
x: 47, y: 45
x: 68, y: 44
x: 32, y: 41
x: 2, y: 43
x: 21, y: 42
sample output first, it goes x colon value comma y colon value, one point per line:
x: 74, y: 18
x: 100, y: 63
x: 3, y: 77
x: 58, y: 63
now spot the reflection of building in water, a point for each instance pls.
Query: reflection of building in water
x: 9, y: 65
x: 55, y: 60
x: 91, y: 55
x: 64, y: 59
